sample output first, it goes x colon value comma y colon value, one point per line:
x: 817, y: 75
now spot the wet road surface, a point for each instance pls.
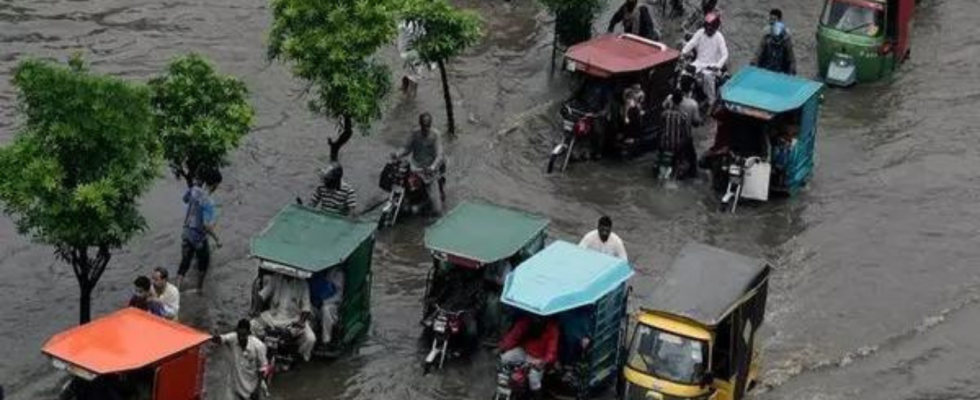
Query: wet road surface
x: 875, y: 293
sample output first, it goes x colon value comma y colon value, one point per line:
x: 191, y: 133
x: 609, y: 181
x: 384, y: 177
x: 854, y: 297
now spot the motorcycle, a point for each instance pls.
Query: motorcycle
x: 402, y: 182
x: 513, y: 382
x: 687, y: 71
x: 282, y: 350
x: 576, y: 126
x: 735, y: 172
x: 446, y: 326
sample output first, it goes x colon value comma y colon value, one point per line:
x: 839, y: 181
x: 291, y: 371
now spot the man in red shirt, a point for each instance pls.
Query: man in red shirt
x: 532, y: 340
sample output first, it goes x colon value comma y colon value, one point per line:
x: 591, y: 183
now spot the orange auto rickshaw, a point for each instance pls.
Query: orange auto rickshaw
x: 130, y: 355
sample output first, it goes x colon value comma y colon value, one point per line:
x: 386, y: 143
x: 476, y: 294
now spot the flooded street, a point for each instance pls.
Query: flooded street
x: 876, y: 294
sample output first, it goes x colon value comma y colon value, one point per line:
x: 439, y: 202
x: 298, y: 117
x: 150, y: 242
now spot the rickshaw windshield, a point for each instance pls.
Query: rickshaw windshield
x: 667, y: 356
x: 854, y: 16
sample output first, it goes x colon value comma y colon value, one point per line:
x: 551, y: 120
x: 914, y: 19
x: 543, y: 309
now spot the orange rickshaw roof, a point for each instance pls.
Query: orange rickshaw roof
x: 125, y: 340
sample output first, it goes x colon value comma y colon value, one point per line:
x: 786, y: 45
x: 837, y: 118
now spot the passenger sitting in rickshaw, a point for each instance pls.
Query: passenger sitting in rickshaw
x: 326, y: 294
x: 786, y: 128
x: 634, y: 104
x: 136, y: 385
x: 289, y: 308
x: 532, y: 340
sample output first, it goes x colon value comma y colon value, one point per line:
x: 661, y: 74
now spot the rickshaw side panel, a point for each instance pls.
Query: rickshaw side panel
x: 799, y: 163
x: 180, y: 378
x: 903, y: 25
x: 355, y: 312
x: 608, y: 316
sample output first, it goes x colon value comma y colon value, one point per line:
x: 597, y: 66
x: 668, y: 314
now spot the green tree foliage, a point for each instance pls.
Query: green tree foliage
x: 573, y: 19
x: 330, y: 44
x: 446, y: 33
x: 200, y: 115
x: 83, y: 156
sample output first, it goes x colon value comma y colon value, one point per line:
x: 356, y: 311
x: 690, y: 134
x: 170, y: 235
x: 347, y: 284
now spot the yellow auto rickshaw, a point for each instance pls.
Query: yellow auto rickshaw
x: 698, y: 339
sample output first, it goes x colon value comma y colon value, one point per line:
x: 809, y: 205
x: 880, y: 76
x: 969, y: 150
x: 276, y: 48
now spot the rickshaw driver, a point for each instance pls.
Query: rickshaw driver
x: 426, y: 149
x: 290, y: 308
x: 533, y: 340
x: 712, y: 54
x: 248, y: 360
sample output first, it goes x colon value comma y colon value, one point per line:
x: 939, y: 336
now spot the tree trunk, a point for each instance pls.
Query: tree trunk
x: 450, y: 118
x: 85, y: 303
x: 88, y: 271
x: 347, y: 130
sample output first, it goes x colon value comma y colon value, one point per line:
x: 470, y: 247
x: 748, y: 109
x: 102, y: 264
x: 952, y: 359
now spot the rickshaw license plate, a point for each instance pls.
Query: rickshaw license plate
x: 439, y: 325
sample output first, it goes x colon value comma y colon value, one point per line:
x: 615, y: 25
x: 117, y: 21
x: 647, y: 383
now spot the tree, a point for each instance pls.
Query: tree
x: 445, y: 33
x: 573, y: 21
x: 330, y: 44
x: 83, y: 156
x: 200, y: 115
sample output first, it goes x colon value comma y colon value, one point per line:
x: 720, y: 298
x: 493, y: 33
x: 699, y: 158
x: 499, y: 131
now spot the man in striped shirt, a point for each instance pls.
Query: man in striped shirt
x: 677, y: 137
x: 334, y: 195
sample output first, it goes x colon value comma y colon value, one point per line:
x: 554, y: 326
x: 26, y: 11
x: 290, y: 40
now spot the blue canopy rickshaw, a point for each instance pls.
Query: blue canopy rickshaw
x: 568, y: 282
x: 770, y: 119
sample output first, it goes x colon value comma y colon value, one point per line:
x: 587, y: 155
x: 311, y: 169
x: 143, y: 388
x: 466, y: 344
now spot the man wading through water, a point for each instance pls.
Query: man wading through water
x: 198, y: 226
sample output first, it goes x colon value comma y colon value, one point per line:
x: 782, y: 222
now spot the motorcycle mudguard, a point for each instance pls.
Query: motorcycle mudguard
x: 842, y: 71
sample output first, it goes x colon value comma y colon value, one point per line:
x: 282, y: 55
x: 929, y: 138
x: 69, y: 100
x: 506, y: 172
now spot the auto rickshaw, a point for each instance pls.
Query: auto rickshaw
x: 473, y: 248
x: 585, y: 292
x: 697, y: 338
x: 304, y: 243
x: 863, y: 40
x: 130, y: 355
x: 605, y: 67
x: 766, y: 130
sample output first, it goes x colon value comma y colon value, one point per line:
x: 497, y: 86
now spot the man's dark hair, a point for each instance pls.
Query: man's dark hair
x: 163, y: 272
x: 243, y: 324
x: 687, y: 84
x: 142, y: 282
x: 677, y: 96
x: 775, y: 12
x: 605, y: 221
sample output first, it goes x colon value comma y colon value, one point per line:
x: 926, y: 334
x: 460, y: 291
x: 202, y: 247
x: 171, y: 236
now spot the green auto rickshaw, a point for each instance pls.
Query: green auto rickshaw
x: 473, y: 248
x: 326, y: 257
x: 860, y: 41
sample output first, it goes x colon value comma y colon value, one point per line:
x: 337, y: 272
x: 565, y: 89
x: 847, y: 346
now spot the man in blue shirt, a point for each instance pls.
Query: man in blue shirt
x: 198, y: 226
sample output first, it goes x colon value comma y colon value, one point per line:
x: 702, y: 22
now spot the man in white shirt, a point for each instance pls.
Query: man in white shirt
x: 712, y: 54
x: 249, y: 362
x: 604, y: 240
x: 290, y: 308
x: 165, y: 293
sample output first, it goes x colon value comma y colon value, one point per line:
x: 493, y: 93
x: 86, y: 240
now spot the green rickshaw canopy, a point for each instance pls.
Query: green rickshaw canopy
x: 483, y: 232
x: 308, y: 240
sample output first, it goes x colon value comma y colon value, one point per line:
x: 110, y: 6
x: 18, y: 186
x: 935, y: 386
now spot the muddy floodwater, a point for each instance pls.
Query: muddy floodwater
x: 876, y: 294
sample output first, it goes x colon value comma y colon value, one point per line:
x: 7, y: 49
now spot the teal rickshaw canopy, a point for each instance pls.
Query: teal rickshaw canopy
x: 562, y: 277
x: 769, y: 91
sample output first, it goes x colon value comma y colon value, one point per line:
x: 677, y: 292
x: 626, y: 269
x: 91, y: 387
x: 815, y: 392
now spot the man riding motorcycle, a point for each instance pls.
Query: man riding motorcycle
x: 711, y: 55
x: 288, y: 299
x: 533, y: 340
x: 776, y: 49
x: 425, y: 146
